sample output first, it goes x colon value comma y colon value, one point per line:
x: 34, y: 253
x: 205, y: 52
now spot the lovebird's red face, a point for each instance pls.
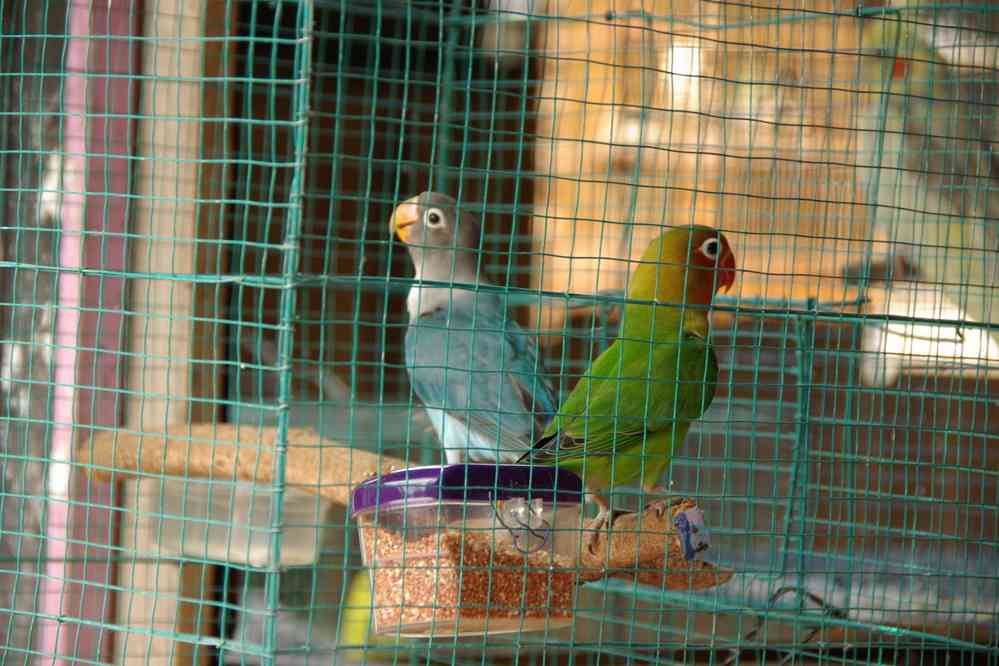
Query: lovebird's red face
x: 710, y: 250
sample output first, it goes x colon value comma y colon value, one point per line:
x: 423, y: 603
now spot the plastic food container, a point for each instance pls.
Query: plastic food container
x: 470, y: 549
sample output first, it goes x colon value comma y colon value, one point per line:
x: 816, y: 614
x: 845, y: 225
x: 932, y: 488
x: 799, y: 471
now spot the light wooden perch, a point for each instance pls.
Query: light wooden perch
x: 642, y: 545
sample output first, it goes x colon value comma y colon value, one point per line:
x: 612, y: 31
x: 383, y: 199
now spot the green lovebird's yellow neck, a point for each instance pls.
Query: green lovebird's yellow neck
x: 670, y: 292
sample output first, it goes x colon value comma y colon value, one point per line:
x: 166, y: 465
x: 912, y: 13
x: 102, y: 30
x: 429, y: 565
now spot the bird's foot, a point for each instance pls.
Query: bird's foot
x: 666, y: 501
x: 601, y: 526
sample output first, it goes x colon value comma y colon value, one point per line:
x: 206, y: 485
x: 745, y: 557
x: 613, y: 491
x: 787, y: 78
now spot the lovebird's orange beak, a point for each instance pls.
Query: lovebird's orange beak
x: 405, y: 215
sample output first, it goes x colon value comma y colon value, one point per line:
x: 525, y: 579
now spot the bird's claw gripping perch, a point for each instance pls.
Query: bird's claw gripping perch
x: 604, y: 526
x: 602, y: 523
x: 663, y: 505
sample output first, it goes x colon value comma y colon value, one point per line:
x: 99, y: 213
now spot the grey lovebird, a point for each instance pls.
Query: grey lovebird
x: 475, y: 370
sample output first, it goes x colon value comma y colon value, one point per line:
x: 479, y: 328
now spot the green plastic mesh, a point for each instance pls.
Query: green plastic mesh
x: 234, y: 264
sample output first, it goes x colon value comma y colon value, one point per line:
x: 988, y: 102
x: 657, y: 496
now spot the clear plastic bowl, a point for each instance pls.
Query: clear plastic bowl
x: 470, y: 549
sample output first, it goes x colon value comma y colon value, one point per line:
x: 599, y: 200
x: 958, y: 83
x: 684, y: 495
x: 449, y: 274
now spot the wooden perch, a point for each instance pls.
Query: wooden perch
x: 645, y: 546
x: 235, y: 452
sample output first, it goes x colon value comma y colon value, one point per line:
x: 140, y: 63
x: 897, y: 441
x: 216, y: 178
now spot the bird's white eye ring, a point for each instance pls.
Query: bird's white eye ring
x: 709, y: 248
x: 434, y: 217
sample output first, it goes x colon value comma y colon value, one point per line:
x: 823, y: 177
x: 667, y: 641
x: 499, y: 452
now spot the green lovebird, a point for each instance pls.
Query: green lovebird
x: 626, y: 415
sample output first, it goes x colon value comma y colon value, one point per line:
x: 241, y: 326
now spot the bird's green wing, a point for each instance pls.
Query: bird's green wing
x: 631, y: 389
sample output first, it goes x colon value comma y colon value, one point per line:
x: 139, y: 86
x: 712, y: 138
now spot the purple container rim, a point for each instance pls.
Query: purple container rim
x: 468, y: 482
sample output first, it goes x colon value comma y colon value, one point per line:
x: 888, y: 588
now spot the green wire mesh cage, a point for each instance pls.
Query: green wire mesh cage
x: 204, y: 340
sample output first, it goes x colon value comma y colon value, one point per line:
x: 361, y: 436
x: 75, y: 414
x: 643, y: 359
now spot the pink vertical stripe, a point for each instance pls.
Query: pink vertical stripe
x: 112, y: 66
x: 66, y: 326
x: 100, y: 100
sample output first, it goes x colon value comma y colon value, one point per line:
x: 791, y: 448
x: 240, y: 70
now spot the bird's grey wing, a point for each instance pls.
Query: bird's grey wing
x: 461, y: 363
x: 525, y: 377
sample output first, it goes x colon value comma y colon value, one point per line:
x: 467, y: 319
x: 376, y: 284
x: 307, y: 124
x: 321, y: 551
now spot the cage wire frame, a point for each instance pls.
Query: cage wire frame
x: 804, y: 315
x: 800, y: 317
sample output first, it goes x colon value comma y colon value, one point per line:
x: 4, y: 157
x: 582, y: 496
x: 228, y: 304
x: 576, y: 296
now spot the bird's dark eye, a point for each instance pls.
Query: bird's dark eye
x: 434, y: 218
x: 709, y: 248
